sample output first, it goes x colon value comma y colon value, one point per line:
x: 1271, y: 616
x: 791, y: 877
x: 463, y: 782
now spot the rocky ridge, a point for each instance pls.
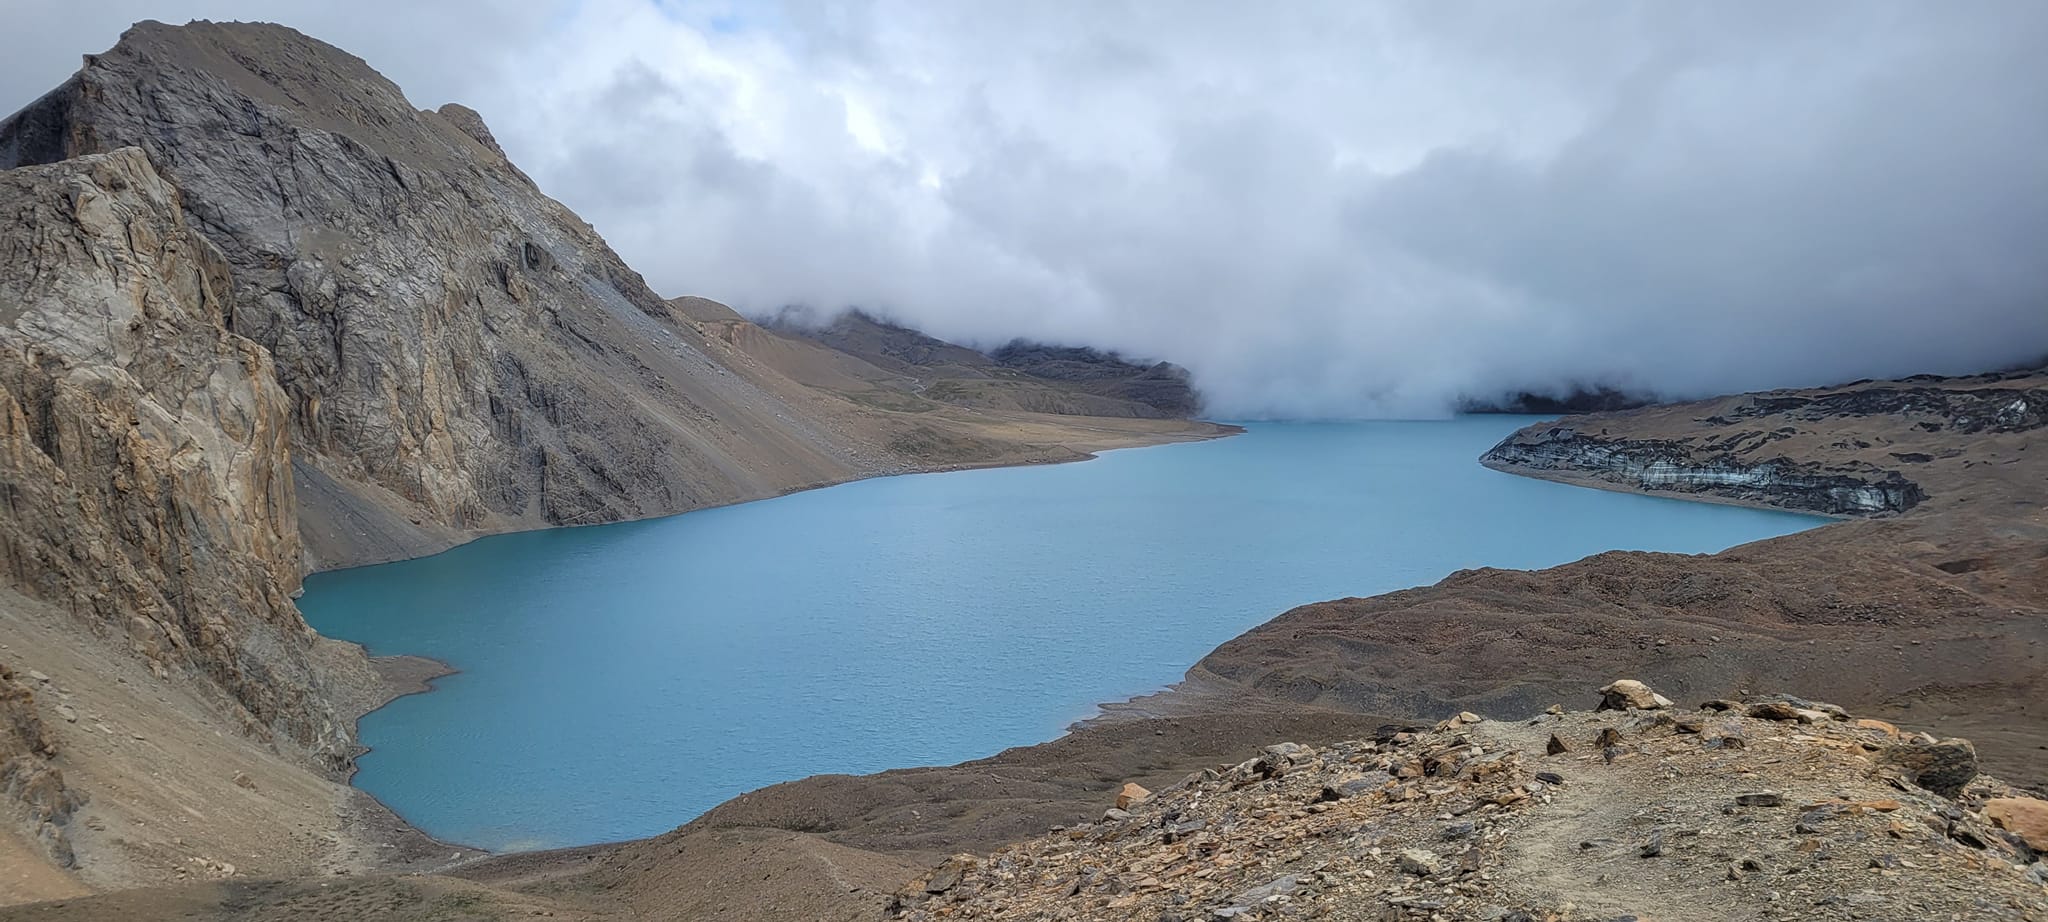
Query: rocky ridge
x: 1772, y: 808
x: 1736, y: 448
x: 1018, y: 375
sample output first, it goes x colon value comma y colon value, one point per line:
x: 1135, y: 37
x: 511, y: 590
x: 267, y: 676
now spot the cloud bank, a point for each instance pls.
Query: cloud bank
x: 1322, y: 209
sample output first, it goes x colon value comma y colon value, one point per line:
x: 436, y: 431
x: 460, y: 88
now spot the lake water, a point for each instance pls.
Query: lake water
x: 616, y: 681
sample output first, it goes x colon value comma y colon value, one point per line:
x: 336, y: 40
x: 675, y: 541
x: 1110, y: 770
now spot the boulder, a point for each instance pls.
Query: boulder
x: 949, y: 873
x: 1942, y: 766
x: 2025, y: 817
x: 1417, y: 861
x: 1629, y: 694
x: 1131, y: 795
x: 1279, y: 757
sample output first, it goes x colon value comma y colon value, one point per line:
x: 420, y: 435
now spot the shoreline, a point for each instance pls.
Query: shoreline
x: 402, y: 675
x: 1193, y: 695
x: 1214, y: 432
x: 1596, y: 482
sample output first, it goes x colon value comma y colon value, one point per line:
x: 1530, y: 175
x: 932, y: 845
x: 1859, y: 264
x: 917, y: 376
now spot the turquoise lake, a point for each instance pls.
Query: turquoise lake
x: 618, y: 680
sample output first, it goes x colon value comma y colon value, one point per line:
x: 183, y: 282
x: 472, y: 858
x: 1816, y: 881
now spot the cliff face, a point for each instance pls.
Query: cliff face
x: 1869, y: 448
x: 29, y: 784
x: 144, y: 449
x: 458, y: 353
x: 1675, y: 466
x: 144, y: 460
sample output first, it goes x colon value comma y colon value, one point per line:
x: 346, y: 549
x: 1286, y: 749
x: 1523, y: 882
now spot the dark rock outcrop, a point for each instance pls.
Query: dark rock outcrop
x: 1664, y: 465
x: 1163, y: 386
x: 1023, y: 375
x: 1847, y: 450
x: 1575, y: 400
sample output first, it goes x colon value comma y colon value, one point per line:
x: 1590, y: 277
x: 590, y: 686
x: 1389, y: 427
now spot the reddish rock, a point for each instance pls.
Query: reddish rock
x: 2025, y: 817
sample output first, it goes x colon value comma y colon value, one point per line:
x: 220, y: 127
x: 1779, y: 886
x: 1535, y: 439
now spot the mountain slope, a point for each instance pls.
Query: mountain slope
x: 1019, y: 376
x: 260, y: 315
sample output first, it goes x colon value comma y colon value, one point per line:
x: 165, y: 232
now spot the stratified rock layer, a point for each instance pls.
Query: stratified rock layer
x: 145, y: 450
x: 1746, y: 448
x: 459, y: 353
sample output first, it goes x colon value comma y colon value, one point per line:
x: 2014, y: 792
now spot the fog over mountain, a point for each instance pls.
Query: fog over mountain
x: 1333, y: 209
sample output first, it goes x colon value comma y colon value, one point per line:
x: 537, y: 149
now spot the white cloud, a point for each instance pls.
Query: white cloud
x: 1322, y: 209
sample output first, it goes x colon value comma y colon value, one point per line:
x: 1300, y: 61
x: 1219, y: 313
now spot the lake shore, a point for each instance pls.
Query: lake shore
x: 1932, y: 607
x: 378, y: 830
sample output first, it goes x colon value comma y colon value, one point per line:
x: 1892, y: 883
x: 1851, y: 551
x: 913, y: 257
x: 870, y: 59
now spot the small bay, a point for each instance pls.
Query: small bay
x: 618, y: 680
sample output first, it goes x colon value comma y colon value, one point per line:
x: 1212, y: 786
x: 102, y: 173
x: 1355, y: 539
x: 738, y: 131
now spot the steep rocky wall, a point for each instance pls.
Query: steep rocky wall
x: 1860, y: 449
x: 145, y: 466
x: 1669, y: 466
x: 29, y: 784
x: 459, y: 353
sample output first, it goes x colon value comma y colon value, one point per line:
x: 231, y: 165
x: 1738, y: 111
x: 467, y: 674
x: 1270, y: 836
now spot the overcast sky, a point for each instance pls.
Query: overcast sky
x: 1323, y: 209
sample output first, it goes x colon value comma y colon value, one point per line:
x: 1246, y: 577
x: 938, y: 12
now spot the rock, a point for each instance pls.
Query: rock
x: 1467, y: 717
x: 1557, y: 746
x: 2024, y: 817
x: 1279, y: 887
x: 1278, y: 758
x: 1131, y: 795
x: 1418, y: 862
x: 1810, y: 821
x: 1354, y: 787
x: 69, y: 714
x: 1760, y: 799
x: 1608, y: 736
x: 1776, y: 710
x: 1944, y: 766
x: 1654, y: 847
x: 1771, y: 710
x: 1550, y: 778
x: 1115, y: 815
x: 242, y: 779
x: 1723, y: 734
x: 1629, y: 694
x: 949, y: 873
x: 1889, y: 730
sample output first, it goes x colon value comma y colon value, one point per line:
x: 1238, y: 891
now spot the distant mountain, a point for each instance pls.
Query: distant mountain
x: 1015, y: 376
x: 1577, y: 400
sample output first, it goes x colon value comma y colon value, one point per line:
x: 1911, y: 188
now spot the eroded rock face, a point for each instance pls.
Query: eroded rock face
x: 459, y: 354
x: 1869, y: 448
x: 145, y: 450
x: 29, y: 784
x: 1663, y: 465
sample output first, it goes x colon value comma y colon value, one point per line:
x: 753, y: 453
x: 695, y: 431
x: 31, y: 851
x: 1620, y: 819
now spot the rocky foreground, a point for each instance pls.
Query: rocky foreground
x: 1766, y: 808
